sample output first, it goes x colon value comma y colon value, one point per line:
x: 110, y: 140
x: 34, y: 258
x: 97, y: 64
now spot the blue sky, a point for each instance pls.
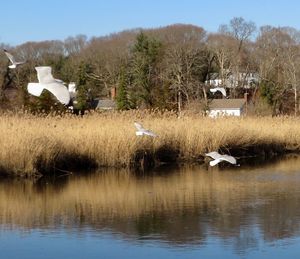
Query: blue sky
x: 38, y: 20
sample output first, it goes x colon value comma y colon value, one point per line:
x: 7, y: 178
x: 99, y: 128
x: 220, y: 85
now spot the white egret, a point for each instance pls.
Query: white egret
x: 220, y: 89
x: 219, y: 158
x: 12, y: 60
x: 48, y: 82
x: 142, y: 131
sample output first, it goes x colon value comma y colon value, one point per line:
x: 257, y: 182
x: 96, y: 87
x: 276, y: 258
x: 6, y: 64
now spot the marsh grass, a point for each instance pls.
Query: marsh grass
x: 31, y: 144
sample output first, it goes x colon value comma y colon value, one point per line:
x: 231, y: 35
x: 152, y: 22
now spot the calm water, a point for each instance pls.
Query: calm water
x: 251, y: 212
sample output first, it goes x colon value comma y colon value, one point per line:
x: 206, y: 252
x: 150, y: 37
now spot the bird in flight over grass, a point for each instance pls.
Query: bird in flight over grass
x: 219, y: 158
x: 220, y: 89
x: 14, y: 63
x: 48, y: 82
x: 142, y: 131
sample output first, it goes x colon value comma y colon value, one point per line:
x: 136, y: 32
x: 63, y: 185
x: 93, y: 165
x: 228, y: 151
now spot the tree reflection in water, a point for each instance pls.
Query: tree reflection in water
x: 240, y: 207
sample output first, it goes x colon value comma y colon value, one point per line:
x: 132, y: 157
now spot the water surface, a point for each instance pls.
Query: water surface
x: 246, y: 212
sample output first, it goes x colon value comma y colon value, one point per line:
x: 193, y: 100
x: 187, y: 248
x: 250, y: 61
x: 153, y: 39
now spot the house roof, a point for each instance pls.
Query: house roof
x: 227, y: 104
x: 104, y: 104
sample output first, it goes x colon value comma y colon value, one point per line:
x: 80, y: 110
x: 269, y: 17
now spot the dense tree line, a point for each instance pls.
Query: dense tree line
x: 165, y: 67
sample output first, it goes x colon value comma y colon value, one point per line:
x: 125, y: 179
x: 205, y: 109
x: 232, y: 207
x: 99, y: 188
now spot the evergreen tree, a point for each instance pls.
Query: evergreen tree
x: 145, y: 56
x: 82, y: 88
x: 122, y: 95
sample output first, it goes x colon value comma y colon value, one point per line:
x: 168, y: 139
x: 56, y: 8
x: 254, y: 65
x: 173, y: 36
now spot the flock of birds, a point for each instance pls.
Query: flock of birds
x: 46, y: 81
x: 63, y: 94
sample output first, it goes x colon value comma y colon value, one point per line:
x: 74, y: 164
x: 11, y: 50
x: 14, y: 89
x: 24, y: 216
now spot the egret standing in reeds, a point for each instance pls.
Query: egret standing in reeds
x: 219, y: 158
x: 48, y: 82
x: 14, y: 63
x: 142, y: 131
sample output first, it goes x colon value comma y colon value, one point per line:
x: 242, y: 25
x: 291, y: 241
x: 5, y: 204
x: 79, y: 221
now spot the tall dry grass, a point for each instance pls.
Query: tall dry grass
x: 109, y: 139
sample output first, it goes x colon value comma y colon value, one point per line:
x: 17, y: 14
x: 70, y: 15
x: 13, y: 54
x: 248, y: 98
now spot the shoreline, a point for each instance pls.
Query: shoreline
x: 256, y: 154
x: 144, y: 161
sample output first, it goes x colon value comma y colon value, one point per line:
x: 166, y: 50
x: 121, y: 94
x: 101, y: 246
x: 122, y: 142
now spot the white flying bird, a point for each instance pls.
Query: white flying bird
x: 141, y: 131
x: 221, y: 89
x: 48, y: 82
x: 12, y: 60
x: 219, y: 158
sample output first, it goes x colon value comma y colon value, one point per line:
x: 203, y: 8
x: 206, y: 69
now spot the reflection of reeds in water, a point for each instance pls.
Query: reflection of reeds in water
x: 109, y: 139
x: 120, y: 195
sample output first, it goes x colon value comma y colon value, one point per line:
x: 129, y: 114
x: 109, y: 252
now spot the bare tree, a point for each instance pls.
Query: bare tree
x: 107, y: 55
x: 223, y: 48
x: 183, y: 65
x: 240, y: 29
x: 292, y: 63
x: 74, y: 45
x: 277, y: 54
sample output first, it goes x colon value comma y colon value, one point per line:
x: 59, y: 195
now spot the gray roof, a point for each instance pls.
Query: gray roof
x: 105, y: 104
x: 227, y: 104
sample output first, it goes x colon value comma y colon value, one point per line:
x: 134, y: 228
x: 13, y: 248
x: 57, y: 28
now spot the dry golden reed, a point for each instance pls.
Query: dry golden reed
x: 109, y: 139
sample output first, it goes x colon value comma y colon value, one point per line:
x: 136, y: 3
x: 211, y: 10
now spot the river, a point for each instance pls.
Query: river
x: 189, y: 212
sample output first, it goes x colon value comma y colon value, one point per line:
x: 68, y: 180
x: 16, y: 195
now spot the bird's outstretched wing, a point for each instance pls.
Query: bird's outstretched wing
x: 214, y: 155
x: 44, y: 75
x: 219, y: 158
x: 229, y: 159
x: 20, y: 63
x: 60, y: 91
x: 139, y: 126
x: 142, y: 131
x: 35, y: 89
x: 60, y: 81
x: 214, y: 162
x: 222, y: 90
x: 46, y: 81
x: 150, y: 133
x: 10, y: 56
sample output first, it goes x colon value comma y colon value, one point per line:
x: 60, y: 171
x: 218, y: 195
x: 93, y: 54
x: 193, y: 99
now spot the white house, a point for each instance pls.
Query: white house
x: 227, y: 107
x: 244, y: 80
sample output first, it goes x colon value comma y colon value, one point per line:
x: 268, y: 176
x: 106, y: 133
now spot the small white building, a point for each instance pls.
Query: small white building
x: 243, y: 80
x: 227, y: 107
